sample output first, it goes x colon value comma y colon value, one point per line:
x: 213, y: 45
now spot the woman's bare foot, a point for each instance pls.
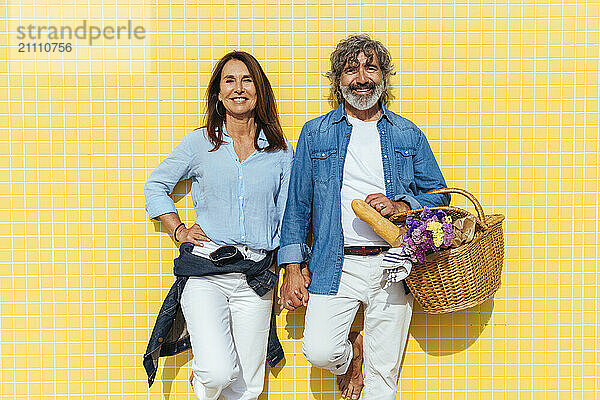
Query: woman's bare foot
x: 351, y: 383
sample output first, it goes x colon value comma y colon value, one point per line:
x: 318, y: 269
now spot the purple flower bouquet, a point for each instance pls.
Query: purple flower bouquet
x: 428, y: 232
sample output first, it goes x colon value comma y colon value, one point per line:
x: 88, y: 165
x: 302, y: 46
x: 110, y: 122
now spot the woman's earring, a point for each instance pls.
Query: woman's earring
x: 217, y: 109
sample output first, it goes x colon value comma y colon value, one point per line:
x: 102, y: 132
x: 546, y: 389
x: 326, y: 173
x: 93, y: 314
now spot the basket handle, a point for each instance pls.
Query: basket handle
x: 480, y: 213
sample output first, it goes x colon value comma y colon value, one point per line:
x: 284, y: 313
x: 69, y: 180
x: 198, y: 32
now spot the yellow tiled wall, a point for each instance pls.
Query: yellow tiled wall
x: 506, y: 92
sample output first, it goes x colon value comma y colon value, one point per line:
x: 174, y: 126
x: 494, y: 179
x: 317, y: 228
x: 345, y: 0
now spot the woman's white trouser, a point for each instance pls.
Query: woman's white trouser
x: 387, y: 316
x: 229, y: 327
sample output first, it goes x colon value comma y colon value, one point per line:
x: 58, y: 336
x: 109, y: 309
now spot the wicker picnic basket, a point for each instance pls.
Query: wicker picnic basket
x: 461, y: 277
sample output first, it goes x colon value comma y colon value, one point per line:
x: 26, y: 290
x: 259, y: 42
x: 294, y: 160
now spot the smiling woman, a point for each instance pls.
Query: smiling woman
x: 238, y: 75
x: 240, y: 167
x: 238, y: 93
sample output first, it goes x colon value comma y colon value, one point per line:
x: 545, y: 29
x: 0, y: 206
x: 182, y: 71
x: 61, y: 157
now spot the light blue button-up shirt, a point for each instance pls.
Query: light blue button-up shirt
x: 235, y: 202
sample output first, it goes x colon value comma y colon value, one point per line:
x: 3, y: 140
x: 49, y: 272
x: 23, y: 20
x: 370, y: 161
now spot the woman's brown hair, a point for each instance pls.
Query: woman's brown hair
x: 265, y: 113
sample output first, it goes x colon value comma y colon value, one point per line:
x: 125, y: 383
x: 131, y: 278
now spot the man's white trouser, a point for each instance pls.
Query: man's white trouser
x: 387, y: 315
x: 229, y: 326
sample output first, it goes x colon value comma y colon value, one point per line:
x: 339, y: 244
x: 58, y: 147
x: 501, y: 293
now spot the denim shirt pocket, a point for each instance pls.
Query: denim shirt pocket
x: 404, y: 163
x: 323, y: 163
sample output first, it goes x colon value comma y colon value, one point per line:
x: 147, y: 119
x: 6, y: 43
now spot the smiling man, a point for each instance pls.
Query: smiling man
x: 359, y: 150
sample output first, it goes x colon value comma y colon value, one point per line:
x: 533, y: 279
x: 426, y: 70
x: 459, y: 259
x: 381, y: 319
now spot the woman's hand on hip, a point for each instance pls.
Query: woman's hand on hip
x: 194, y: 234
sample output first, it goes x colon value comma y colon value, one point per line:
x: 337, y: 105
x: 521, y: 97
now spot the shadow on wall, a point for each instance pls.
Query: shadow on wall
x: 170, y: 370
x: 180, y: 191
x: 451, y: 333
x: 275, y: 371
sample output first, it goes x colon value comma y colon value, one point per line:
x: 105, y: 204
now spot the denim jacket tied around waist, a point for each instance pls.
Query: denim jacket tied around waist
x: 170, y: 335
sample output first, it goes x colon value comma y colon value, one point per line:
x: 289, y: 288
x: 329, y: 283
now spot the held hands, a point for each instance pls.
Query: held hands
x: 193, y: 234
x: 385, y: 206
x: 293, y: 292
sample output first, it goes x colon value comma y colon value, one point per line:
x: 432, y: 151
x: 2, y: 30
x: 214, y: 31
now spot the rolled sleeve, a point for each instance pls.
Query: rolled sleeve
x: 411, y: 201
x: 293, y: 253
x: 158, y: 206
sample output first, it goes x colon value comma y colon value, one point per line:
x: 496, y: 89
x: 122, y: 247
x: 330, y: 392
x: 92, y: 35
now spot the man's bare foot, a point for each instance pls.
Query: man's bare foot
x: 351, y: 383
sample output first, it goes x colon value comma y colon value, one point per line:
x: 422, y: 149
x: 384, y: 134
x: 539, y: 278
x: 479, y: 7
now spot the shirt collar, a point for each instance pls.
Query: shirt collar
x: 339, y: 114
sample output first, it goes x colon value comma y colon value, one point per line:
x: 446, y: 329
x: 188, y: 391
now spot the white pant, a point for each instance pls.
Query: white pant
x: 387, y: 317
x: 229, y: 326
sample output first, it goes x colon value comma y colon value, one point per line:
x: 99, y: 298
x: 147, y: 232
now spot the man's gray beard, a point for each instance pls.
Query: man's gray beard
x: 362, y: 102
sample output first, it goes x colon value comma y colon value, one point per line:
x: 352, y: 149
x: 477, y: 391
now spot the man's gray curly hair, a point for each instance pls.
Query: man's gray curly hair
x: 348, y: 49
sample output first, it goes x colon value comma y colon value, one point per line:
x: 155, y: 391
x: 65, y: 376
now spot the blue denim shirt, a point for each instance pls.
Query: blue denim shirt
x: 409, y: 169
x: 235, y: 202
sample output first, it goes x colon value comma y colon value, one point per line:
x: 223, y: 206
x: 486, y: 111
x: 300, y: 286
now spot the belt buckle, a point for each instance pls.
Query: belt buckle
x: 373, y: 251
x: 225, y: 255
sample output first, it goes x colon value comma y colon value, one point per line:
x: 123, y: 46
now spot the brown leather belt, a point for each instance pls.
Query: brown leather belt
x: 365, y: 250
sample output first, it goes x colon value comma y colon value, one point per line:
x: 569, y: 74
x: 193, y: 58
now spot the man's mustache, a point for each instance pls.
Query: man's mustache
x: 361, y: 86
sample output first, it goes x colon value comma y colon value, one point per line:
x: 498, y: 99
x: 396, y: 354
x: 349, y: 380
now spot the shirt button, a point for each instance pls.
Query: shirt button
x: 339, y: 258
x: 322, y: 154
x: 385, y: 156
x: 243, y: 237
x: 240, y: 177
x: 382, y: 132
x: 405, y: 151
x: 241, y: 217
x: 241, y: 197
x: 388, y: 181
x: 342, y: 157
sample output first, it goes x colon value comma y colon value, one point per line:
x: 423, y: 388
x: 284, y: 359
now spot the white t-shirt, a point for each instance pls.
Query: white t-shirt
x: 363, y: 175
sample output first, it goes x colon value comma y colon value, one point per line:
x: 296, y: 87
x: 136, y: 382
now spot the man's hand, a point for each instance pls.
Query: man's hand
x: 385, y: 206
x: 293, y: 292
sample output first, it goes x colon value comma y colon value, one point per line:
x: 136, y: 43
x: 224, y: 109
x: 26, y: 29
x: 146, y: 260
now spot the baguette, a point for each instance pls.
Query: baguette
x: 382, y: 226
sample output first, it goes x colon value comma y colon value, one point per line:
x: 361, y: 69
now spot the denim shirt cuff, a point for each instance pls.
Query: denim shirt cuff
x: 159, y: 206
x: 293, y: 253
x: 411, y: 201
